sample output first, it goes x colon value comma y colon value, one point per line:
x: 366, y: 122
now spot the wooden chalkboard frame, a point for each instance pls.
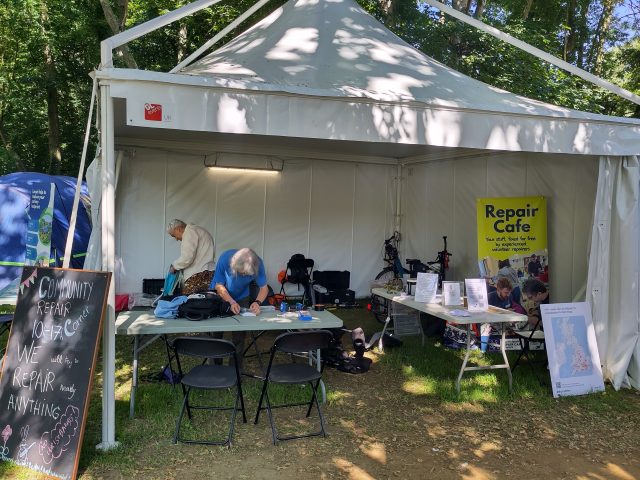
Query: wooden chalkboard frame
x: 73, y: 315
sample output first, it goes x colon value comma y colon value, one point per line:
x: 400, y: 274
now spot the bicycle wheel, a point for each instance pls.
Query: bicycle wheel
x: 385, y: 275
x: 378, y: 307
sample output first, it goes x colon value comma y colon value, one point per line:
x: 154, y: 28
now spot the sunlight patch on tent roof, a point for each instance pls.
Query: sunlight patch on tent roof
x: 303, y: 40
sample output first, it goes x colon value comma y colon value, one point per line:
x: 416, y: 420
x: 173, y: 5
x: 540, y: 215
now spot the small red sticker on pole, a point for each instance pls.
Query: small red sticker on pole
x: 153, y: 112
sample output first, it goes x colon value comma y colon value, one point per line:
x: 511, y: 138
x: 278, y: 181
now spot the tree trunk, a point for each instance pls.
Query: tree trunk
x: 461, y: 5
x: 527, y: 9
x: 480, y: 6
x: 182, y: 41
x: 116, y: 27
x: 55, y: 154
x: 4, y: 138
x: 604, y: 23
x: 570, y: 37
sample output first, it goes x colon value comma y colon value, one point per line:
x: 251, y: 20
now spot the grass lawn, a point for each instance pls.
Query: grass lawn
x: 402, y: 419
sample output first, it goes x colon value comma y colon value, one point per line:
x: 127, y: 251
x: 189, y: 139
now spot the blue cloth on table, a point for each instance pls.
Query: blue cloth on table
x: 169, y: 308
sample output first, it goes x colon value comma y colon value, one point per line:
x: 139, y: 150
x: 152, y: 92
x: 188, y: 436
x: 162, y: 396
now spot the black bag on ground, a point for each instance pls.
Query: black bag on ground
x: 210, y: 305
x: 335, y: 356
x: 298, y: 272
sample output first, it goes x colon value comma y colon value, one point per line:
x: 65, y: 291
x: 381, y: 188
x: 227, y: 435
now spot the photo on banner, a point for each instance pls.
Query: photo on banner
x: 40, y: 226
x: 512, y: 243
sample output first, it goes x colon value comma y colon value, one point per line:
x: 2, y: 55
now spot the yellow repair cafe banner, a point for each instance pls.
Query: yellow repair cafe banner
x: 511, y: 227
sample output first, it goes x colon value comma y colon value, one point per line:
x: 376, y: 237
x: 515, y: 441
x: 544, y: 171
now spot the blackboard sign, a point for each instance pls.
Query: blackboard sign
x: 48, y: 368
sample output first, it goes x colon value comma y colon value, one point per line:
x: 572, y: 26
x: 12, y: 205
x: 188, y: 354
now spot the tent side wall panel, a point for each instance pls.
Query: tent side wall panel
x: 452, y: 186
x: 336, y: 213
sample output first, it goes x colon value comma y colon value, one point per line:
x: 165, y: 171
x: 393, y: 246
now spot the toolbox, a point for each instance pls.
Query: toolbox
x: 335, y: 296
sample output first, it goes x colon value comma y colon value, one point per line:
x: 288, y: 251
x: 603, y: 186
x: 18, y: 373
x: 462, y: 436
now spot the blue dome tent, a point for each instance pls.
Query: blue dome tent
x: 15, y: 198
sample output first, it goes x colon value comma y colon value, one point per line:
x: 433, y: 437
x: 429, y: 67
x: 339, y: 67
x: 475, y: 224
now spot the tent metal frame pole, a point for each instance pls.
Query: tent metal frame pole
x: 397, y: 224
x: 108, y: 264
x: 107, y: 46
x: 542, y: 55
x: 212, y: 41
x: 76, y: 197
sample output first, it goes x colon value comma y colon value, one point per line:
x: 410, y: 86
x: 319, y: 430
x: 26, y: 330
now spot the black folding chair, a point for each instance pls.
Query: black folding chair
x: 298, y: 272
x: 285, y: 346
x: 525, y: 337
x: 208, y: 376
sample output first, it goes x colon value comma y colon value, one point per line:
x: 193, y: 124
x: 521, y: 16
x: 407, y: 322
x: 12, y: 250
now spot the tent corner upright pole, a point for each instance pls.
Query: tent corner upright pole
x: 397, y: 221
x: 108, y: 264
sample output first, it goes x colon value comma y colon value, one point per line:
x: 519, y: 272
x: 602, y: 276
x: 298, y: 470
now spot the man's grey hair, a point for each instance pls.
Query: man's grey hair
x: 245, y: 262
x: 175, y: 223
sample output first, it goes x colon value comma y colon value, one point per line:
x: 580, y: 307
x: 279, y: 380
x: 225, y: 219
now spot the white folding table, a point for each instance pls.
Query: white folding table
x: 140, y: 323
x: 493, y: 315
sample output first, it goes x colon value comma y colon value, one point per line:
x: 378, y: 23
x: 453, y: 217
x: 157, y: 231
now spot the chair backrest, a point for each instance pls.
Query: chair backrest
x: 203, y: 347
x: 300, y: 342
x: 299, y: 269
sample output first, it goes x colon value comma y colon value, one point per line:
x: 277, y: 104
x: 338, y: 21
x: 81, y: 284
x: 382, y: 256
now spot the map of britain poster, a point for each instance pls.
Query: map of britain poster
x: 574, y: 362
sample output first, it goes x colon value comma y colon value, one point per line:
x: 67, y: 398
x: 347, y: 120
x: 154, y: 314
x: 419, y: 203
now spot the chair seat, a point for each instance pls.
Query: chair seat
x: 210, y: 377
x: 293, y: 373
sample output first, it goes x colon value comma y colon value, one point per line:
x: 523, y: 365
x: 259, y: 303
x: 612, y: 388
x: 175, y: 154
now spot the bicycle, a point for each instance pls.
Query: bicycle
x: 394, y: 269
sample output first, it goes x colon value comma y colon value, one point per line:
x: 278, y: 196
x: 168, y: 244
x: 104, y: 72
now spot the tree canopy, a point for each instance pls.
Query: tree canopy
x: 49, y: 47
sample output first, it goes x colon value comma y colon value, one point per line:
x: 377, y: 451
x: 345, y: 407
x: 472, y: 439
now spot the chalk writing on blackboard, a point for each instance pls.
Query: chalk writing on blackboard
x: 47, y: 372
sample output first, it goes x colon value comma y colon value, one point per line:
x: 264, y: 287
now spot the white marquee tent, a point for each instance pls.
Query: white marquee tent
x: 371, y: 135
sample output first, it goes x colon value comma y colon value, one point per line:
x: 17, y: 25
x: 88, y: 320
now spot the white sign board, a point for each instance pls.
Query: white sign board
x: 426, y: 287
x: 451, y: 294
x: 574, y: 362
x: 477, y: 299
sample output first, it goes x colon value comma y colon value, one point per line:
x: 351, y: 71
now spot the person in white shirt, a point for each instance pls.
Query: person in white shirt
x: 197, y: 252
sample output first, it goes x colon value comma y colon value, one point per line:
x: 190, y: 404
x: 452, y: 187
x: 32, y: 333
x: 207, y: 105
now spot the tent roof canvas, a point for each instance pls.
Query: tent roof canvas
x: 327, y: 70
x: 335, y: 48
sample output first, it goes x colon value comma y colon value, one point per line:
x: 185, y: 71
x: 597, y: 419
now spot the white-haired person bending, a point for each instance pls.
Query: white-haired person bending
x: 235, y: 273
x: 197, y: 252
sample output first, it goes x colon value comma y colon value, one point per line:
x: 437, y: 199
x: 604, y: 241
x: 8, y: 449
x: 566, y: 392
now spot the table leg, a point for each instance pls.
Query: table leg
x: 384, y: 329
x: 503, y: 349
x: 134, y: 378
x: 466, y: 358
x: 137, y: 348
x: 319, y: 367
x: 254, y: 344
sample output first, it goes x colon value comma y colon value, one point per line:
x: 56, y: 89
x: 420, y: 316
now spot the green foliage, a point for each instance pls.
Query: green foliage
x: 73, y: 31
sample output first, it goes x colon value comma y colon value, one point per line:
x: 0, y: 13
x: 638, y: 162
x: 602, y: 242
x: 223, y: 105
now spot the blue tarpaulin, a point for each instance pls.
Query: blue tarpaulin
x: 15, y: 197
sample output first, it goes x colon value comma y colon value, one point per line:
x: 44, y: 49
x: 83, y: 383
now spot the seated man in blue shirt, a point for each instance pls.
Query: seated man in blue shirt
x: 235, y: 271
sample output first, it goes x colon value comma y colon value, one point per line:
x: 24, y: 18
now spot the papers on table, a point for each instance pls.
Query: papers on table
x: 426, y: 287
x: 247, y: 313
x: 477, y: 300
x: 459, y: 313
x: 451, y: 294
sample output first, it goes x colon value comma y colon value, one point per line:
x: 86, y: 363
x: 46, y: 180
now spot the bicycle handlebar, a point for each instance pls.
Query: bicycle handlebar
x: 396, y: 235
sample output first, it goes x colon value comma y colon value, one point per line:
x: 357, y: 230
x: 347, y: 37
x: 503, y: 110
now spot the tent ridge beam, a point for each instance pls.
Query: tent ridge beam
x: 541, y: 54
x: 198, y: 150
x: 421, y: 159
x: 212, y: 41
x: 107, y: 46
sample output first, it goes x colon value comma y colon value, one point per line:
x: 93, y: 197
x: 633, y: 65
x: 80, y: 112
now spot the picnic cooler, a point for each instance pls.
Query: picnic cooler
x: 332, y: 286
